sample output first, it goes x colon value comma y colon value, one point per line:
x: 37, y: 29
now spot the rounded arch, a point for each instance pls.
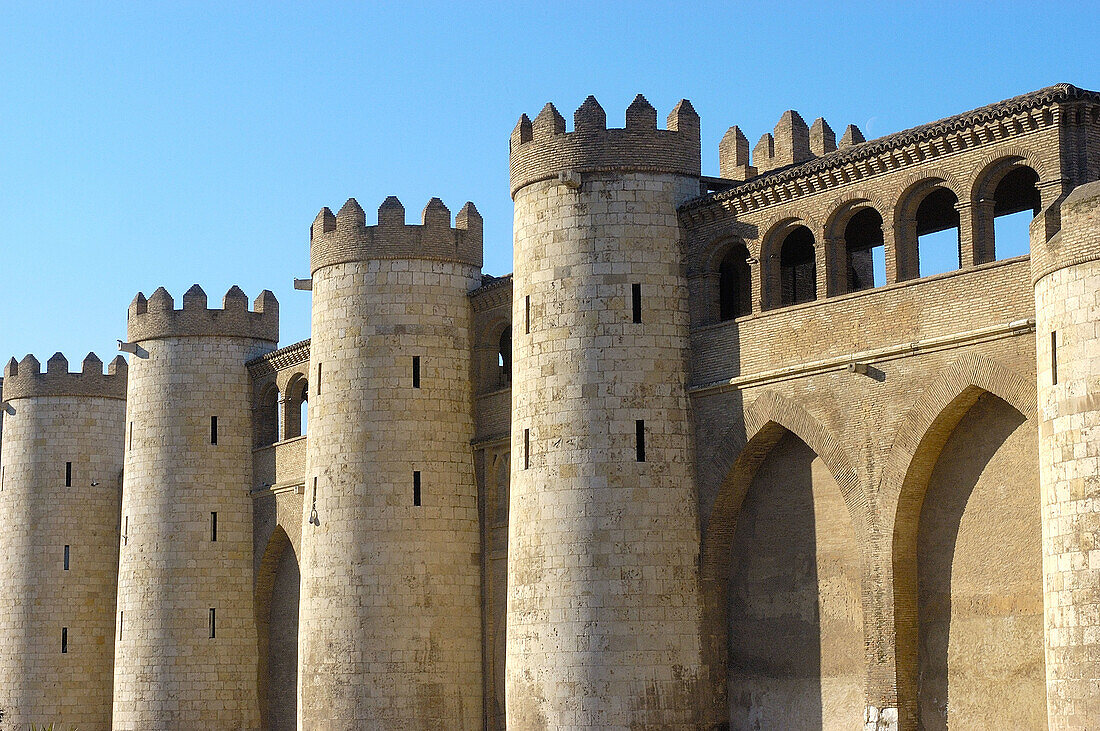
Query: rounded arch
x: 772, y: 269
x: 266, y: 416
x: 295, y: 405
x: 844, y: 207
x: 490, y: 372
x: 917, y: 188
x: 996, y: 165
x: 912, y: 457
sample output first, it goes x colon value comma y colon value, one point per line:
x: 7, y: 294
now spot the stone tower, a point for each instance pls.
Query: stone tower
x: 59, y: 508
x: 1066, y: 271
x: 604, y: 626
x: 185, y: 655
x: 390, y: 629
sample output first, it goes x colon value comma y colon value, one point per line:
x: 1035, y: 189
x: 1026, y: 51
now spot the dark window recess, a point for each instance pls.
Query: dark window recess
x: 212, y: 623
x: 416, y: 488
x: 318, y: 378
x: 636, y: 301
x: 527, y: 314
x: 68, y: 474
x: 416, y: 371
x: 121, y: 615
x: 526, y: 448
x: 130, y: 445
x: 213, y: 526
x: 213, y: 430
x: 125, y: 529
x: 66, y: 558
x: 1054, y: 358
x: 64, y: 639
x: 639, y: 440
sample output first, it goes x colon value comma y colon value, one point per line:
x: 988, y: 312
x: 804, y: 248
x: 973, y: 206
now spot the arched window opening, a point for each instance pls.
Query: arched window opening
x: 938, y: 233
x: 296, y: 410
x: 504, y: 356
x: 735, y: 283
x: 797, y: 268
x: 866, y: 251
x: 267, y: 418
x: 1015, y: 203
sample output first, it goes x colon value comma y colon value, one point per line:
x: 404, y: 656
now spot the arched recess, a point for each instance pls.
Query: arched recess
x: 266, y: 417
x: 276, y: 609
x: 928, y: 426
x: 857, y: 246
x: 792, y: 261
x: 779, y: 430
x: 296, y: 407
x: 938, y: 193
x: 492, y: 366
x: 1006, y: 185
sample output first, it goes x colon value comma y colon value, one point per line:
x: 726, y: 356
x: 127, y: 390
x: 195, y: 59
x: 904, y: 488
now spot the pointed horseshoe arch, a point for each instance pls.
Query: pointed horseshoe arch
x: 916, y: 448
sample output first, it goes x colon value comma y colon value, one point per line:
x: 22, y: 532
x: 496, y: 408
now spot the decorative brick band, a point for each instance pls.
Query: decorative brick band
x: 156, y: 317
x: 346, y: 237
x: 25, y: 379
x: 276, y: 360
x: 542, y: 149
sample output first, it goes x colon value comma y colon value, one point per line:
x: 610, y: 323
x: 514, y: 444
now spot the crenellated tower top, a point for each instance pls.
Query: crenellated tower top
x: 543, y: 150
x: 156, y: 317
x: 346, y: 237
x: 25, y: 379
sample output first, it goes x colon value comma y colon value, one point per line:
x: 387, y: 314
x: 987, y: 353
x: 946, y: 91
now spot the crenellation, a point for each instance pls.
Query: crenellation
x: 24, y: 379
x: 822, y: 138
x: 157, y: 318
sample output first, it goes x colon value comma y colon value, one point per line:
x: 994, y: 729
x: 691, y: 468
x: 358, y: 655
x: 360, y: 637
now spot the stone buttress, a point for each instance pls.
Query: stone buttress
x: 59, y: 508
x: 1066, y: 270
x: 390, y: 628
x: 185, y: 655
x: 604, y: 616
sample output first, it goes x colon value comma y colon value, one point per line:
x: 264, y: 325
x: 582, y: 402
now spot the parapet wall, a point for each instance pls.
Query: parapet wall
x: 346, y: 237
x: 156, y: 317
x: 25, y: 379
x: 542, y: 149
x: 1074, y: 245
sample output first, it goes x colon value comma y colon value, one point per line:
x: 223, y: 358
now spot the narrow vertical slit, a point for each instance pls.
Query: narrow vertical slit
x: 125, y: 529
x: 526, y: 448
x: 636, y: 301
x: 416, y: 371
x: 68, y: 474
x: 64, y: 640
x: 318, y: 379
x: 416, y: 488
x: 212, y: 632
x: 213, y: 526
x: 639, y: 440
x: 121, y: 615
x: 66, y: 558
x: 213, y: 430
x: 1054, y: 358
x: 527, y: 314
x: 130, y: 443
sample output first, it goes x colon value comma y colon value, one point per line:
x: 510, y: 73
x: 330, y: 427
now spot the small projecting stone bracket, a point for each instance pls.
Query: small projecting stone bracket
x: 570, y: 179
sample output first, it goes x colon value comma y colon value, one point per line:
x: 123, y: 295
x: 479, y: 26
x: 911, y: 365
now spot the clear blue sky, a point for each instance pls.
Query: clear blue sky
x: 153, y: 144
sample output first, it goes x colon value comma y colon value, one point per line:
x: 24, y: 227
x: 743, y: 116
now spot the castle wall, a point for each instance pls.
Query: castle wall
x: 390, y: 627
x: 60, y: 548
x: 177, y: 662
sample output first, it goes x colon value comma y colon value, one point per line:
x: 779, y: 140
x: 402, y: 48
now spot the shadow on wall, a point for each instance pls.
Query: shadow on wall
x: 979, y: 561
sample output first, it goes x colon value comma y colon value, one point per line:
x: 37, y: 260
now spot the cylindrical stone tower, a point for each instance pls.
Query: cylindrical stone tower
x: 1066, y: 270
x: 604, y: 610
x: 59, y: 506
x: 390, y: 623
x: 185, y: 654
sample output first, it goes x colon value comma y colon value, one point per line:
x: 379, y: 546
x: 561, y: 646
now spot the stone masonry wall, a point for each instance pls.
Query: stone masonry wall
x: 603, y: 609
x: 169, y: 671
x: 390, y: 629
x: 39, y: 517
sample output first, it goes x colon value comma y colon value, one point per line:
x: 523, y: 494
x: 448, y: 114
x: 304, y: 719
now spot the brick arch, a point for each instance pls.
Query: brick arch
x: 996, y: 165
x: 843, y: 206
x: 770, y: 245
x: 740, y: 454
x: 912, y: 457
x: 926, y: 178
x: 717, y: 248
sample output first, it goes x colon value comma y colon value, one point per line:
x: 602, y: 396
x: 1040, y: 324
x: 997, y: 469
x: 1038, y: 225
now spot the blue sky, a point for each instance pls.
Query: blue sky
x: 150, y: 144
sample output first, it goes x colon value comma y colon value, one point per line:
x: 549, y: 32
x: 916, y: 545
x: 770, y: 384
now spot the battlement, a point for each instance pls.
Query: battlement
x: 25, y: 379
x: 346, y: 237
x: 156, y: 317
x: 543, y: 150
x: 790, y: 143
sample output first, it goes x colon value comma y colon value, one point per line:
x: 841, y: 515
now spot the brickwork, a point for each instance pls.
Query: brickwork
x: 61, y: 467
x: 1068, y: 356
x: 390, y: 630
x: 186, y: 650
